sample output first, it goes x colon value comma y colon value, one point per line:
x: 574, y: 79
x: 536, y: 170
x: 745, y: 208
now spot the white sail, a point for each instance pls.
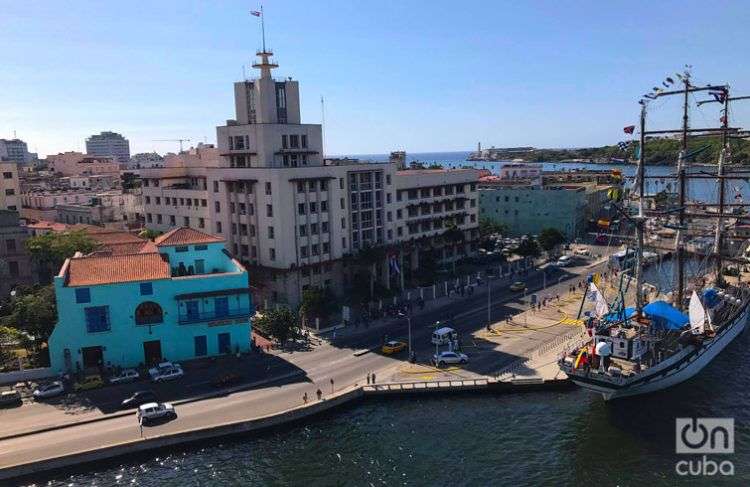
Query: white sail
x: 600, y: 304
x: 697, y: 315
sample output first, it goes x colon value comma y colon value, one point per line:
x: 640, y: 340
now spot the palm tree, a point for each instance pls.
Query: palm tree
x: 453, y: 235
x: 369, y: 256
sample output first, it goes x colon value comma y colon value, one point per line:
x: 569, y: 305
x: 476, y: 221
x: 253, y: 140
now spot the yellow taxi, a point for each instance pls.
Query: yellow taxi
x: 89, y: 382
x: 518, y: 286
x: 393, y: 346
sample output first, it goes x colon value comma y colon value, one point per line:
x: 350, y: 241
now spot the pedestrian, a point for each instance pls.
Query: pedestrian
x: 368, y: 378
x: 331, y: 385
x: 373, y: 377
x: 304, y: 398
x: 319, y: 393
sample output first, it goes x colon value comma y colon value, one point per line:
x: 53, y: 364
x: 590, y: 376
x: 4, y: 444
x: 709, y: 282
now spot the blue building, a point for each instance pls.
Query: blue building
x: 180, y: 297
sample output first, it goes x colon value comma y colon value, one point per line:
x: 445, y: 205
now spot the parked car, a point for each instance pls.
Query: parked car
x: 137, y: 399
x: 127, y: 375
x: 10, y: 397
x: 392, y: 347
x: 564, y: 261
x: 582, y: 251
x: 163, y: 373
x: 89, y: 382
x: 153, y: 410
x: 443, y: 358
x: 518, y: 286
x: 48, y: 390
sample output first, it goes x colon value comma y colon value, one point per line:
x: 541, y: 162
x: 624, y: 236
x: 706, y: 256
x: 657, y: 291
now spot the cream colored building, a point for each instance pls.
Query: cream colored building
x: 77, y: 164
x: 266, y: 189
x: 10, y: 192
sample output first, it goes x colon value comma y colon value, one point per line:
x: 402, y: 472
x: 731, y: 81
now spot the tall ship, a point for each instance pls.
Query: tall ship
x: 645, y: 341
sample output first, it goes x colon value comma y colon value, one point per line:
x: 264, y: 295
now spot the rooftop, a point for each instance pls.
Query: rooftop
x: 185, y: 236
x: 112, y: 269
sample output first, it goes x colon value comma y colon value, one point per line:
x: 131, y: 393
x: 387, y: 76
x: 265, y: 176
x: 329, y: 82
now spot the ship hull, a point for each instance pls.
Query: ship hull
x: 678, y: 368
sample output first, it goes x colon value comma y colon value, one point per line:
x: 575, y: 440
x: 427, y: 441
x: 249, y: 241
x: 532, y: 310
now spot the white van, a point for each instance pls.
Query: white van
x: 444, y: 335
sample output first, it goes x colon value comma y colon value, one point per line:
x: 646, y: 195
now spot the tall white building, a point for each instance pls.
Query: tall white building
x: 291, y: 215
x: 109, y: 144
x: 15, y: 150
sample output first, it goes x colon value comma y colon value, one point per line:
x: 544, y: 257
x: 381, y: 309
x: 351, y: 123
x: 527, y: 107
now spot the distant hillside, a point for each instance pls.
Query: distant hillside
x: 658, y: 152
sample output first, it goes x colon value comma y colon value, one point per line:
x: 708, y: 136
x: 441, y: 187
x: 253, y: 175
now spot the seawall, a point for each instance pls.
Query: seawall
x: 286, y: 417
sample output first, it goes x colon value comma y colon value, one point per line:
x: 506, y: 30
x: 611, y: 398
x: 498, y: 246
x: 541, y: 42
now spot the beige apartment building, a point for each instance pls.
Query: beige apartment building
x: 78, y: 164
x: 291, y: 215
x: 9, y: 187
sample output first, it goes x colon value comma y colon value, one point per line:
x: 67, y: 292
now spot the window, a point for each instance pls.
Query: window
x: 216, y: 186
x: 324, y: 227
x: 97, y: 319
x: 399, y: 214
x: 83, y: 295
x: 221, y: 306
x: 148, y: 200
x: 303, y: 140
x: 343, y: 222
x: 343, y: 203
x: 294, y: 141
x: 284, y: 144
x: 301, y: 208
x: 341, y: 183
x: 313, y: 229
x: 300, y: 187
x: 217, y: 206
x: 8, y: 175
x: 201, y: 247
x: 268, y: 188
x: 323, y: 206
x: 269, y: 210
x: 218, y: 227
x: 201, y: 223
x: 302, y: 230
x: 326, y: 247
x: 343, y: 242
x: 147, y: 289
x: 272, y: 253
x: 10, y: 192
x: 313, y: 207
x: 191, y: 310
x: 148, y: 313
x: 387, y: 179
x: 181, y: 248
x: 315, y: 250
x: 203, y: 203
x: 303, y: 251
x: 159, y: 218
x: 186, y: 221
x: 270, y: 232
x: 10, y: 244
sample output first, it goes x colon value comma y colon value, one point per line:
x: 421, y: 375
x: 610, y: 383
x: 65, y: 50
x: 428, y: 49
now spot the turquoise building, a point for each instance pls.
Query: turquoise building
x: 528, y: 209
x: 180, y: 297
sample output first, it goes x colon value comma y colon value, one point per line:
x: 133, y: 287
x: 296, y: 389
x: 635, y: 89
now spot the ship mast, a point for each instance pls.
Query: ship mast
x: 681, y: 182
x: 640, y: 220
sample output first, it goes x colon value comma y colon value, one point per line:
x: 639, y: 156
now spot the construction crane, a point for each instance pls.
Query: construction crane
x: 173, y: 140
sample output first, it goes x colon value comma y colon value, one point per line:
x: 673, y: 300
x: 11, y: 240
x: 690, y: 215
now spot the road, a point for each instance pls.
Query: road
x: 328, y: 361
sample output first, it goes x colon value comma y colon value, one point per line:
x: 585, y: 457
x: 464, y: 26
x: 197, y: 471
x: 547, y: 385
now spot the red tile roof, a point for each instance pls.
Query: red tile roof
x: 185, y: 236
x: 111, y: 269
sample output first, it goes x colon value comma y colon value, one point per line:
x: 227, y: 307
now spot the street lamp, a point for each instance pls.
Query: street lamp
x: 408, y: 321
x: 489, y: 303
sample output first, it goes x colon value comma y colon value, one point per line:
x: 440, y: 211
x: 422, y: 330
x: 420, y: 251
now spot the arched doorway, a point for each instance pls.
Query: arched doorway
x: 148, y: 313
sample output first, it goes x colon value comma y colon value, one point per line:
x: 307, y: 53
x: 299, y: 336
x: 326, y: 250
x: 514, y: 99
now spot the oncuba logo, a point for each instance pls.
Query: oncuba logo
x: 706, y: 436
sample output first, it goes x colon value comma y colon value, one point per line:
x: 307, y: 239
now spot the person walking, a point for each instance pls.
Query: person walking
x: 368, y: 378
x: 304, y: 398
x: 373, y: 377
x: 319, y: 393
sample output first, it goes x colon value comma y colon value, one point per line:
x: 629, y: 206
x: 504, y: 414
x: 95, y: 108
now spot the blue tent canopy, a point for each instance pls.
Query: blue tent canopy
x: 664, y: 316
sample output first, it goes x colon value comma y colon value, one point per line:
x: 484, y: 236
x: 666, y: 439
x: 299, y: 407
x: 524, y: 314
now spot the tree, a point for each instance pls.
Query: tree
x: 34, y: 312
x: 549, y: 238
x: 488, y: 227
x: 528, y: 248
x: 8, y: 338
x: 453, y: 235
x: 317, y: 303
x: 49, y: 251
x: 368, y: 256
x: 280, y: 324
x: 149, y: 234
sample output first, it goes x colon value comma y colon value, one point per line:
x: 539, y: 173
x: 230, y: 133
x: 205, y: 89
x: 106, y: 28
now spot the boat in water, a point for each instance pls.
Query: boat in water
x: 647, y: 347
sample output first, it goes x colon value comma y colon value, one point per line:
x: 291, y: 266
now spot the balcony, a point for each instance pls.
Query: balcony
x: 231, y: 314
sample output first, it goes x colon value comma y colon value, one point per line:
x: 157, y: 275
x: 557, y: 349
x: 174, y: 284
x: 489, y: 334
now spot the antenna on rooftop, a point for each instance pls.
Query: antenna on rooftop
x: 323, y: 123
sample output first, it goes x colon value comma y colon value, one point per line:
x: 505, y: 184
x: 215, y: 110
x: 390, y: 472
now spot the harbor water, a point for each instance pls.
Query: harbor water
x: 534, y: 439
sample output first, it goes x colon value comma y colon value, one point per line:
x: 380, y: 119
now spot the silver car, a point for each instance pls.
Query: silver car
x: 48, y: 390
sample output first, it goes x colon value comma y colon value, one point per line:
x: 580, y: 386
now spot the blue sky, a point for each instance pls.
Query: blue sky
x: 419, y: 76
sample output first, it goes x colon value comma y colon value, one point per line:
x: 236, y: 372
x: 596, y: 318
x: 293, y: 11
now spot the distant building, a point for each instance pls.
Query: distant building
x: 138, y: 302
x: 109, y: 144
x: 15, y: 262
x: 9, y: 186
x: 78, y: 164
x: 145, y: 160
x: 15, y: 150
x: 83, y: 204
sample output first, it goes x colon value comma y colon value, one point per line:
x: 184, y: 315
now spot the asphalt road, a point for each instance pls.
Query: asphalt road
x: 328, y: 361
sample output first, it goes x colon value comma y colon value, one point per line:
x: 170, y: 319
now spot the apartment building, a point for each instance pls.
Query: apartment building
x: 15, y: 261
x: 15, y: 150
x: 78, y: 164
x: 9, y: 186
x: 282, y: 208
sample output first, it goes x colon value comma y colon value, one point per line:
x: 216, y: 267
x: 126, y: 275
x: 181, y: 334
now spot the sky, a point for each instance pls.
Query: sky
x: 420, y: 76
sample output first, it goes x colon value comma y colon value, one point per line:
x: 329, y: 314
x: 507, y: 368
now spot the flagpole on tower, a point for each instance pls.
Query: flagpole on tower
x: 263, y: 27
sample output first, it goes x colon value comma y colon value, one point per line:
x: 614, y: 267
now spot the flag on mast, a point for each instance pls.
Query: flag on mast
x: 600, y: 304
x: 256, y: 13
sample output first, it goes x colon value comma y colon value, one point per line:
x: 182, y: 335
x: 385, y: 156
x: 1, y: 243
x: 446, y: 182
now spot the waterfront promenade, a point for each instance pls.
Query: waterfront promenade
x: 337, y: 359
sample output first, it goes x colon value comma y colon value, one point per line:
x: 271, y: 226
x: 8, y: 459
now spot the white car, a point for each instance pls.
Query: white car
x: 127, y: 375
x: 50, y: 389
x: 155, y: 410
x: 582, y: 251
x: 564, y: 261
x: 165, y: 371
x: 443, y: 358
